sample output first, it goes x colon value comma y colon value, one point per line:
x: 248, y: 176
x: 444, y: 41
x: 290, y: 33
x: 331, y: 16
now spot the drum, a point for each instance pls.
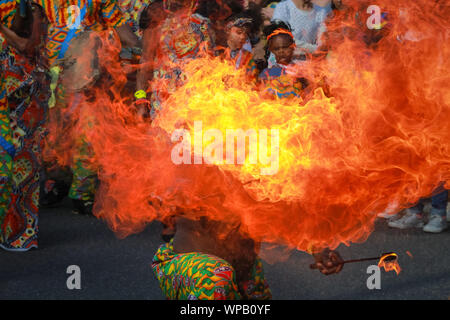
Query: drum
x: 80, y: 63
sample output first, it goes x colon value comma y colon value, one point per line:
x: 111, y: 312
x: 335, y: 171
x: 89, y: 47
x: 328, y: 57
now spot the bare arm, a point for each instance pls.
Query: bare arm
x: 13, y: 39
x: 127, y: 36
x: 26, y: 45
x: 151, y: 20
x: 149, y: 47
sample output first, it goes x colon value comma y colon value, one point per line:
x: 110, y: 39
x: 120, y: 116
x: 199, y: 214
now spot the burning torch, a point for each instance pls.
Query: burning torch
x: 389, y: 261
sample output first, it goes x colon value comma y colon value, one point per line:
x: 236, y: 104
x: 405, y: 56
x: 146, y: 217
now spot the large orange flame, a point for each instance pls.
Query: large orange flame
x: 379, y: 139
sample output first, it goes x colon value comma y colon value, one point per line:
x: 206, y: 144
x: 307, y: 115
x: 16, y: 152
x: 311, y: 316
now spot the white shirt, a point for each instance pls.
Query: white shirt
x: 307, y: 26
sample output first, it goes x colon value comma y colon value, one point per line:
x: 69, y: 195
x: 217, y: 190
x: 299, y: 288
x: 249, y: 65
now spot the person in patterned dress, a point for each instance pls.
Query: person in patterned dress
x: 70, y: 18
x: 173, y: 33
x: 239, y: 48
x: 74, y: 27
x: 185, y: 266
x: 24, y: 96
x: 197, y: 263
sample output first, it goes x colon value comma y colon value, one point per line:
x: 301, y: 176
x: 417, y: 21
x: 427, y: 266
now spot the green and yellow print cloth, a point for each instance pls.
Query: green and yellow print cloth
x: 199, y: 276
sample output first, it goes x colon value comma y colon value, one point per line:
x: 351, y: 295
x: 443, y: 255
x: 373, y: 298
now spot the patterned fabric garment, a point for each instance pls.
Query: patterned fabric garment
x: 85, y: 180
x: 179, y: 42
x: 198, y: 276
x: 132, y: 10
x: 84, y: 173
x: 68, y: 18
x: 243, y: 58
x: 6, y: 135
x: 23, y: 112
x: 280, y: 84
x: 7, y: 11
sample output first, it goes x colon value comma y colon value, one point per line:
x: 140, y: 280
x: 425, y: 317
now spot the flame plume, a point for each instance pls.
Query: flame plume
x: 379, y: 136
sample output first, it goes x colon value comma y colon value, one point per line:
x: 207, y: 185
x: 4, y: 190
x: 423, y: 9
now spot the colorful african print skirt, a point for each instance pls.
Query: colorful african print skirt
x: 23, y: 113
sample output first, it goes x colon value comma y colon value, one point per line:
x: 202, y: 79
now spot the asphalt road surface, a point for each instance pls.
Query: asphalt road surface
x: 113, y: 268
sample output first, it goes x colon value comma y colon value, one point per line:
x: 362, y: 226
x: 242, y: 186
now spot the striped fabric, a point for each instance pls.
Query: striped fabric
x: 93, y: 15
x: 105, y: 12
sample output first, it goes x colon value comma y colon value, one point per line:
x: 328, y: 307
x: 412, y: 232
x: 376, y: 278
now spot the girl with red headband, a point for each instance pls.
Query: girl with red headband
x: 306, y: 17
x: 280, y: 43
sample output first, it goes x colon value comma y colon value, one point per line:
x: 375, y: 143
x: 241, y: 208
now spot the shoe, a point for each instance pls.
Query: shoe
x: 395, y: 217
x: 391, y: 213
x: 427, y: 207
x: 82, y: 206
x: 385, y: 215
x: 53, y: 194
x: 409, y: 220
x: 436, y: 224
x: 390, y: 217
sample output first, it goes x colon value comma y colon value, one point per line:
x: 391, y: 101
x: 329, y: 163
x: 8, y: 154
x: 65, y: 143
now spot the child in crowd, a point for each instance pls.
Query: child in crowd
x: 239, y: 48
x: 265, y: 9
x: 275, y: 79
x: 307, y: 20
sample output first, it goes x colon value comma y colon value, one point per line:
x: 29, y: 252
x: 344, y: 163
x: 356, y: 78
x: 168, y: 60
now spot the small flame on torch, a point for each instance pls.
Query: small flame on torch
x: 389, y: 261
